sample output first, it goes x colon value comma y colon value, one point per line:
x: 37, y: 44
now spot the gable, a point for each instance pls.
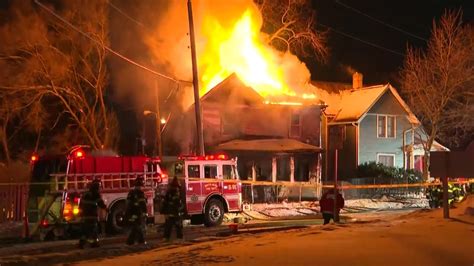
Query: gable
x: 232, y: 91
x: 387, y: 104
x: 375, y: 99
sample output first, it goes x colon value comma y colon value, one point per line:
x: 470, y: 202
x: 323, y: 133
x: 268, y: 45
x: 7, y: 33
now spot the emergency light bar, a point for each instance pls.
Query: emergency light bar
x: 214, y: 157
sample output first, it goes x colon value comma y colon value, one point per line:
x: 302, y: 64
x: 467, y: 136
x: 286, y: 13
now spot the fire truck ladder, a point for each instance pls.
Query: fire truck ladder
x: 109, y: 181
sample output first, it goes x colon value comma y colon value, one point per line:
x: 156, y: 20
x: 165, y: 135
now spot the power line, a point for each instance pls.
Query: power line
x: 380, y: 21
x: 363, y: 41
x: 106, y: 47
x: 125, y: 14
x: 345, y: 34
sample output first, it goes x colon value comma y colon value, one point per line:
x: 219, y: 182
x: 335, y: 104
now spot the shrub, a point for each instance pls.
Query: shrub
x: 377, y: 170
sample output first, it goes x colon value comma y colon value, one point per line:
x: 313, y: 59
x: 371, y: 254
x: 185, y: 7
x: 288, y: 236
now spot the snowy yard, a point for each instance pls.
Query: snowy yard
x: 419, y: 238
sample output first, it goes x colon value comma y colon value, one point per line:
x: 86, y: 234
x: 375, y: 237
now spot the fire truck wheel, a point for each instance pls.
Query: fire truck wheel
x: 214, y: 213
x: 116, y: 219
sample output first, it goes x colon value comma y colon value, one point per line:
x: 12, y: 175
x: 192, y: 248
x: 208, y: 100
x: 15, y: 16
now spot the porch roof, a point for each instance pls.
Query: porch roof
x: 268, y: 145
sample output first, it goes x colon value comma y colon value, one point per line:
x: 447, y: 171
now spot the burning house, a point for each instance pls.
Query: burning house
x: 273, y: 140
x: 256, y: 102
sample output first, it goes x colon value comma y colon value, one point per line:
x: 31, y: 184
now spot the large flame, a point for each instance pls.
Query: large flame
x: 240, y: 50
x: 229, y: 41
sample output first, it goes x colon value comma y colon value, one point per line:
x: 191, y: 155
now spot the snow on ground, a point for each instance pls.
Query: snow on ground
x: 284, y: 209
x: 421, y: 237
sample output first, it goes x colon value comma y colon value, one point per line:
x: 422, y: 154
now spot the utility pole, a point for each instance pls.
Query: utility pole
x: 445, y: 188
x: 335, y: 210
x: 159, y: 143
x: 197, y: 104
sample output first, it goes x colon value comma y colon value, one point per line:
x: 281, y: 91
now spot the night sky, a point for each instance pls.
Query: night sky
x: 377, y: 65
x: 340, y: 18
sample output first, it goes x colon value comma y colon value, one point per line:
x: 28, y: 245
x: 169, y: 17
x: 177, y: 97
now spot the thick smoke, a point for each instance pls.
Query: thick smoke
x: 159, y: 39
x: 169, y: 42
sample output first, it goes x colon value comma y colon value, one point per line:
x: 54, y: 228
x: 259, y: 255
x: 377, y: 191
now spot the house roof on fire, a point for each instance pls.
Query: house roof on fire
x: 233, y: 89
x: 268, y: 145
x: 349, y: 105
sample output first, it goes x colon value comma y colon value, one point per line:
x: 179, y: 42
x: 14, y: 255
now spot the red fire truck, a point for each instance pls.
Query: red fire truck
x: 211, y: 185
x: 58, y: 181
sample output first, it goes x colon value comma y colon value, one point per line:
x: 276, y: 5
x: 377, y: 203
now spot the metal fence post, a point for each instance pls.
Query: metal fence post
x: 301, y: 186
x: 251, y: 193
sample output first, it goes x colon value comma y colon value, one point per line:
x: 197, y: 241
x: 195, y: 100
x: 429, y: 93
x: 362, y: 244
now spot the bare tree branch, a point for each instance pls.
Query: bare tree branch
x: 55, y: 71
x: 291, y: 26
x: 439, y: 82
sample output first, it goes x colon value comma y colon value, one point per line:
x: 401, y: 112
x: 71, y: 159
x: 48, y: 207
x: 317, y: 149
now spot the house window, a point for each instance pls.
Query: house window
x: 295, y: 124
x: 386, y: 126
x: 226, y: 126
x: 283, y: 168
x: 386, y: 159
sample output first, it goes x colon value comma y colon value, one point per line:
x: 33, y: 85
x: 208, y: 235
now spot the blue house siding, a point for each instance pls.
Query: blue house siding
x: 369, y: 144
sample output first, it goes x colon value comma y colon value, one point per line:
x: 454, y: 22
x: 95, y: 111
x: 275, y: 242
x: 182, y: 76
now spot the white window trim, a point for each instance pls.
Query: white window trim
x: 386, y: 127
x: 387, y: 154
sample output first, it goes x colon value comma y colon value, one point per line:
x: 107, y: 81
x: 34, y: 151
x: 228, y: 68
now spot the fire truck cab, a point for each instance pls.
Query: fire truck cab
x: 211, y: 186
x: 57, y: 183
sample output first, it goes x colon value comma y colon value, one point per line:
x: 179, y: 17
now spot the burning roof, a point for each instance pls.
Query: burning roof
x: 229, y: 43
x: 232, y: 89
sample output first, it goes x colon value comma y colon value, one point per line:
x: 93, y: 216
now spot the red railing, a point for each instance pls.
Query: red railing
x: 13, y: 199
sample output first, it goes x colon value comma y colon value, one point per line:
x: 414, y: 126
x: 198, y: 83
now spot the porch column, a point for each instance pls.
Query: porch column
x: 319, y: 181
x: 254, y: 172
x: 274, y: 169
x: 292, y: 169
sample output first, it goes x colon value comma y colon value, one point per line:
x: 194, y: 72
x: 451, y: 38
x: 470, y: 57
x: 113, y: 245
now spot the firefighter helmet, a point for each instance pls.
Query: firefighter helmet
x: 95, y: 185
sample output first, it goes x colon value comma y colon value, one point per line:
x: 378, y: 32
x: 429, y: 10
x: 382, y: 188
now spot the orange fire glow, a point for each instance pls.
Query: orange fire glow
x: 229, y: 40
x: 240, y: 50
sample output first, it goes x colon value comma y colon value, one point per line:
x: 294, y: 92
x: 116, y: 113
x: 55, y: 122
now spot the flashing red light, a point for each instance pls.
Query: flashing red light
x: 79, y: 154
x: 34, y: 158
x: 44, y: 223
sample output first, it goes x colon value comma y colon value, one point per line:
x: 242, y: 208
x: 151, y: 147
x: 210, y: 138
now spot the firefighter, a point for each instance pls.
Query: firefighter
x: 136, y: 212
x: 173, y: 209
x: 433, y: 194
x: 89, y: 204
x: 327, y: 204
x: 452, y: 194
x: 457, y: 193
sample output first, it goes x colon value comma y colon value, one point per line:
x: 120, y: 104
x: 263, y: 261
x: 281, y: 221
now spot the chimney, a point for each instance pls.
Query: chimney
x: 357, y: 80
